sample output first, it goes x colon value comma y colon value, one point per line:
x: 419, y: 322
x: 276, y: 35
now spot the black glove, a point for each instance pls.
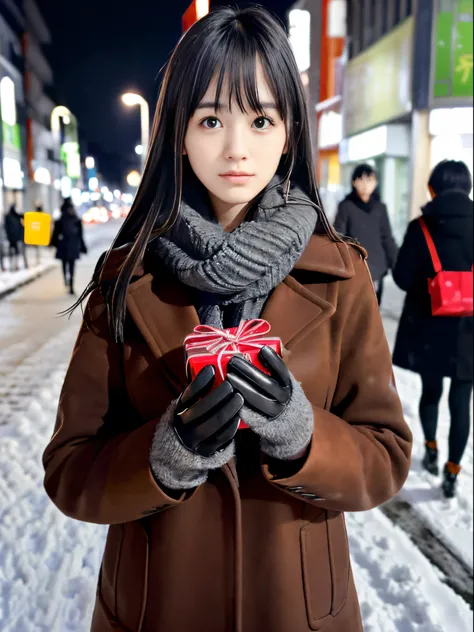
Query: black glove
x: 207, y: 423
x: 276, y: 407
x: 268, y: 395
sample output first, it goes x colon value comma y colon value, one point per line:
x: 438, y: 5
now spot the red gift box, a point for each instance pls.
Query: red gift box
x: 210, y: 345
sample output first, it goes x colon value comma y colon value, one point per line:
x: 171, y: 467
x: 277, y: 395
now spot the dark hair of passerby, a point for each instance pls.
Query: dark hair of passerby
x: 439, y: 347
x: 205, y: 541
x: 366, y: 171
x: 230, y: 52
x: 450, y: 175
x: 363, y: 170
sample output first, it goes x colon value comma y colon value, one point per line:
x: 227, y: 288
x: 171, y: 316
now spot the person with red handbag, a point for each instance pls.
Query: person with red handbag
x: 435, y: 334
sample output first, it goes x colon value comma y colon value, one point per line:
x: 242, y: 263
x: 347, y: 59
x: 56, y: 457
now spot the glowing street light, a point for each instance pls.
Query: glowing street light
x: 130, y: 99
x: 139, y: 150
x: 133, y: 179
x: 90, y: 162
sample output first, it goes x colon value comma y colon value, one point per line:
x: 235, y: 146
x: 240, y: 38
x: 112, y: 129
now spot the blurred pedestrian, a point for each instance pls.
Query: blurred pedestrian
x: 15, y: 232
x: 2, y: 249
x: 439, y: 347
x: 226, y: 227
x: 68, y: 239
x: 363, y: 217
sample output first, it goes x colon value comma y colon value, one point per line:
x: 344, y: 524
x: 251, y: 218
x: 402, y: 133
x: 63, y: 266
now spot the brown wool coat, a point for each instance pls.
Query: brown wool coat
x: 248, y: 551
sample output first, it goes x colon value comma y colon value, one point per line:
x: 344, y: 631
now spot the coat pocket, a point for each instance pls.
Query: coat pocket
x: 124, y: 575
x: 325, y: 563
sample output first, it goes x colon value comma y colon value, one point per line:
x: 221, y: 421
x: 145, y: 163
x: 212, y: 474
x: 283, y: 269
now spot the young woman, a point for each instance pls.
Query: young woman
x: 68, y: 239
x: 215, y: 529
x: 364, y: 217
x: 434, y: 346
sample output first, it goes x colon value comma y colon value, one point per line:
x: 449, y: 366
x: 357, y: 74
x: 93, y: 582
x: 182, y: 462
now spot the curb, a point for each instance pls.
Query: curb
x: 10, y: 290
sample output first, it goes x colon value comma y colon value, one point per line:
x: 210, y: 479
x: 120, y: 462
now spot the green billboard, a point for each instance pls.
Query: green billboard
x: 453, y: 64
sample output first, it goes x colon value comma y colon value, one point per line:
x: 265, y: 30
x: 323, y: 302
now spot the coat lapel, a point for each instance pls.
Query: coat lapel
x: 294, y: 311
x: 163, y: 312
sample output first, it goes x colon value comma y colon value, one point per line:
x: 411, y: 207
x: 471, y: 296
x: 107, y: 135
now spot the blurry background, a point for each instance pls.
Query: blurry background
x: 388, y: 81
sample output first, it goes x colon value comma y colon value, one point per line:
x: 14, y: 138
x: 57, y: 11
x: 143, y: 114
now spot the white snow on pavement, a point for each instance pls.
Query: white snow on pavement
x: 451, y: 520
x: 49, y: 563
x: 10, y: 280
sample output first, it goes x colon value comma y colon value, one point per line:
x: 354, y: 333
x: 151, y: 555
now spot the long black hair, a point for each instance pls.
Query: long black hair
x: 225, y: 44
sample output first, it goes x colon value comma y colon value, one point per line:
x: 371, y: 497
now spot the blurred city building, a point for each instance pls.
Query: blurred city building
x: 43, y: 165
x: 12, y: 106
x: 389, y: 82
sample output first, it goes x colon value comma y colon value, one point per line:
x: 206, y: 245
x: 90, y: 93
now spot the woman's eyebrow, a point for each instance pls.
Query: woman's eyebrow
x: 267, y: 105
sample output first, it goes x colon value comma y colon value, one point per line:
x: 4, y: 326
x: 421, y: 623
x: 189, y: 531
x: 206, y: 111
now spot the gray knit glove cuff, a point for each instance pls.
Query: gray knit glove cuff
x: 289, y: 433
x: 175, y: 466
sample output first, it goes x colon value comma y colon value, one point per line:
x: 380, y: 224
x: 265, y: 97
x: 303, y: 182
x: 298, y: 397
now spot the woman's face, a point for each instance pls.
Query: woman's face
x: 222, y: 144
x: 365, y: 186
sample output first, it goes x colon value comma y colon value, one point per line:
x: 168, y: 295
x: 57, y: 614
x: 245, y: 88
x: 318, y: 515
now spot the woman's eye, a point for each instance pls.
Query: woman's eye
x: 263, y: 122
x: 211, y: 123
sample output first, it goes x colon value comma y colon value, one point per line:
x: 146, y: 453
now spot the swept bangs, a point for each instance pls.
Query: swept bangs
x: 231, y: 57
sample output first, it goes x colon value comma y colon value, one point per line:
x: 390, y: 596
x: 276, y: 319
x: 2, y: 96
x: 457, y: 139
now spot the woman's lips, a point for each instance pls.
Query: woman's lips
x: 236, y: 178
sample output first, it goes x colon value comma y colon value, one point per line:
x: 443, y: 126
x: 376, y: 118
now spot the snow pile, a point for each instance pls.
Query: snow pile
x: 451, y: 520
x: 48, y: 563
x: 11, y: 280
x: 399, y: 590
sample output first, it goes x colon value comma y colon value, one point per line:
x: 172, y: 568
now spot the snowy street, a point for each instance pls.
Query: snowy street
x: 49, y: 563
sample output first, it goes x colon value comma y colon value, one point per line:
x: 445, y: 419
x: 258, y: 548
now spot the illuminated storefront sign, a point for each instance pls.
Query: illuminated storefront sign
x: 377, y: 83
x: 300, y: 37
x: 453, y: 66
x: 72, y: 159
x: 12, y: 171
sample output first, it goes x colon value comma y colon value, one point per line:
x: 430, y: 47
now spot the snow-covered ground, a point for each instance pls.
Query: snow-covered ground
x: 49, y: 563
x: 451, y: 520
x: 12, y: 279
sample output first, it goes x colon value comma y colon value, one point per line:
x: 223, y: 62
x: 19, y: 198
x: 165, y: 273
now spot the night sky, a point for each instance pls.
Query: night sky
x: 101, y: 48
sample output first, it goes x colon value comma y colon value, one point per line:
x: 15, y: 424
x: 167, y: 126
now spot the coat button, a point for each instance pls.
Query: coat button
x: 311, y: 496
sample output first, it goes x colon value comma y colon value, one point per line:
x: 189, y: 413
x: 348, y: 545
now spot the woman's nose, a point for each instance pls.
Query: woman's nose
x: 236, y: 148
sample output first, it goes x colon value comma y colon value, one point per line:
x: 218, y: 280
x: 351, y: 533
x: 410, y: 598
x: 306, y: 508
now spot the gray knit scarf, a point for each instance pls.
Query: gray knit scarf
x: 236, y: 271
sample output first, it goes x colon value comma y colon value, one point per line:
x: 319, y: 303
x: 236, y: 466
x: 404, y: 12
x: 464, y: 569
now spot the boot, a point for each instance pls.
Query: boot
x: 450, y: 479
x: 430, y: 460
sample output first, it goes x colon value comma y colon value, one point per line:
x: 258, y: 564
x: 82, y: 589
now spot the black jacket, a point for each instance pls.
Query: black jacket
x: 13, y: 227
x: 426, y: 344
x: 369, y: 224
x: 68, y: 238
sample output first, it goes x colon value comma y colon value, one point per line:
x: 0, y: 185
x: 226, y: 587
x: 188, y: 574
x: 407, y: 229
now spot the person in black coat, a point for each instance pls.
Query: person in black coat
x: 15, y: 231
x: 68, y: 239
x: 364, y: 217
x: 437, y: 347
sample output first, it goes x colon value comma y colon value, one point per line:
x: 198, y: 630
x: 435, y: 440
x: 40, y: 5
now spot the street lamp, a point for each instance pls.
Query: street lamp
x: 130, y: 99
x: 133, y: 179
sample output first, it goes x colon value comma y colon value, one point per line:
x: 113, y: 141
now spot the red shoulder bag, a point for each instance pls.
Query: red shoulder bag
x: 451, y: 292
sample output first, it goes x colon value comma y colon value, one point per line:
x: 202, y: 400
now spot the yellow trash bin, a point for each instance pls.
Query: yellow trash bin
x: 37, y: 229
